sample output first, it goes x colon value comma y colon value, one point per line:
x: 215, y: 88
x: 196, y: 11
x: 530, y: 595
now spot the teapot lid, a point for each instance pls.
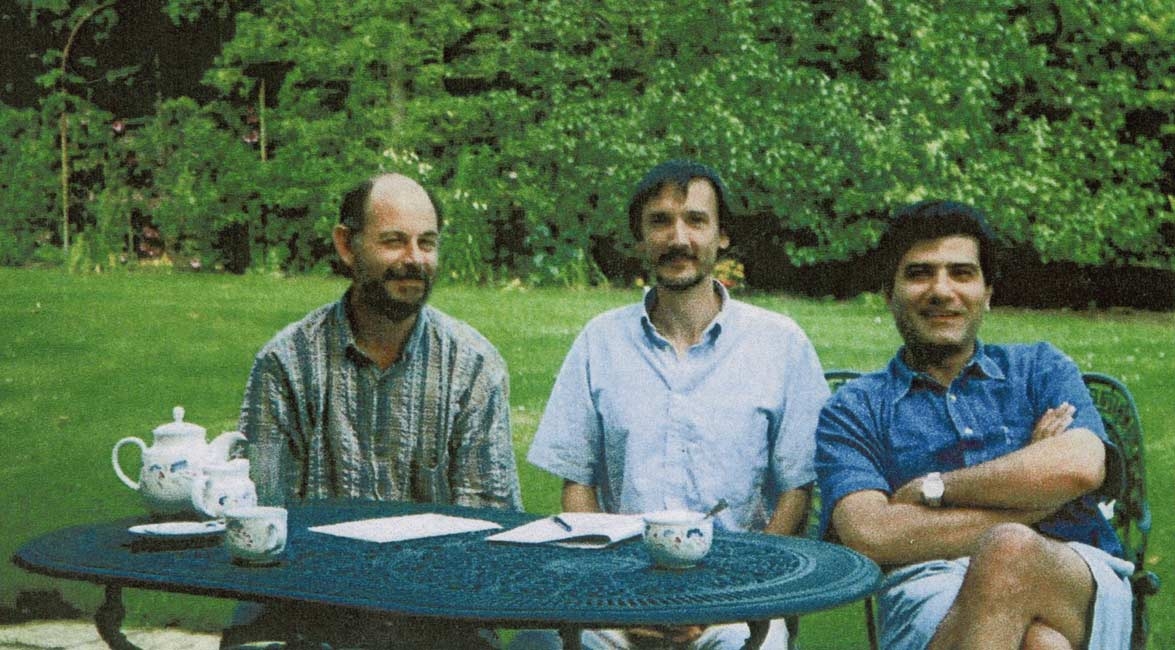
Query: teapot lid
x: 179, y: 427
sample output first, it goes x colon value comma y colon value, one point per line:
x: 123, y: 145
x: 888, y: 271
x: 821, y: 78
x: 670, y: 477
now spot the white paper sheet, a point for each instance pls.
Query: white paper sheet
x: 398, y: 529
x: 588, y: 530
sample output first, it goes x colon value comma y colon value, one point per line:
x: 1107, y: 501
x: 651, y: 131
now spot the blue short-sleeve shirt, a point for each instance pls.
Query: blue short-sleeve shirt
x: 889, y: 427
x: 733, y: 418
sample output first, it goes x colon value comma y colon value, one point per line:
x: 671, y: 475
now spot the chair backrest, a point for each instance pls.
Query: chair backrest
x: 1130, y: 512
x: 838, y: 378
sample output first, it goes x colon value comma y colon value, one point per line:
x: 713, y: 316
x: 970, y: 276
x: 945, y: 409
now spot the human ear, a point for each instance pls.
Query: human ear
x: 342, y: 238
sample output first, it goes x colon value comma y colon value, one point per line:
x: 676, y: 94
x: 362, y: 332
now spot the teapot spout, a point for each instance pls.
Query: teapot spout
x: 223, y: 446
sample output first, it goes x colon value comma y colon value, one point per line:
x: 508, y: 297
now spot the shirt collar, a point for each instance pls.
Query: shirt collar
x: 343, y: 332
x: 346, y: 334
x: 980, y: 366
x: 712, y: 331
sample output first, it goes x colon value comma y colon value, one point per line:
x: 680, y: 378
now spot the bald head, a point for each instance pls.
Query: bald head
x: 388, y: 191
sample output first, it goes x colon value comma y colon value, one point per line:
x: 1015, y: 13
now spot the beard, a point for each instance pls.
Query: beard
x: 380, y: 300
x: 678, y: 283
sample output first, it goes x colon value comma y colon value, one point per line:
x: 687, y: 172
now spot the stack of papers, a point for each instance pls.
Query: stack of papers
x: 398, y: 529
x: 587, y: 530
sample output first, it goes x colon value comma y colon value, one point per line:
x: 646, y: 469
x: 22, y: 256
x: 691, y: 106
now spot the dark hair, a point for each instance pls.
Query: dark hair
x: 934, y: 220
x: 679, y: 173
x: 353, y: 209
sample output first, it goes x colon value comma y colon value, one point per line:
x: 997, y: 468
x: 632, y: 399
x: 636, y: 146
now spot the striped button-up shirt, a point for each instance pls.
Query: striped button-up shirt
x: 324, y: 421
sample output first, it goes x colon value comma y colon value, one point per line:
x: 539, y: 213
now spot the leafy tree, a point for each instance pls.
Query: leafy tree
x: 27, y: 152
x: 61, y: 78
x: 87, y: 193
x: 532, y: 121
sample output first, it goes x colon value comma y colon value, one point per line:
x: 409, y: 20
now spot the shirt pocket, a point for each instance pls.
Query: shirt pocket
x: 914, y: 455
x: 1013, y: 432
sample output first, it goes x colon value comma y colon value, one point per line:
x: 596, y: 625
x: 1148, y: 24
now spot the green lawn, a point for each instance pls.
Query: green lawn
x: 87, y: 360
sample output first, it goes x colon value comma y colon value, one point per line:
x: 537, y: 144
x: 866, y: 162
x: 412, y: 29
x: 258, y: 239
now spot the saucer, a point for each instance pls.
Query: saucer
x: 178, y: 529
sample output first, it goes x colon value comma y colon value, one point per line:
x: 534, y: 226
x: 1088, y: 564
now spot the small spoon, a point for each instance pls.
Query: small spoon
x: 718, y: 507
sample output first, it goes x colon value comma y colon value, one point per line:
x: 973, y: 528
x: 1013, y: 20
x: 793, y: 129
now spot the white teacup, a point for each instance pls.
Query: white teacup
x: 255, y: 535
x: 677, y: 539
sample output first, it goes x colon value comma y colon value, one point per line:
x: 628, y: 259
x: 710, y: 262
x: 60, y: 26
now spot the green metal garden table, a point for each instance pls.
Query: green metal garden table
x: 746, y: 577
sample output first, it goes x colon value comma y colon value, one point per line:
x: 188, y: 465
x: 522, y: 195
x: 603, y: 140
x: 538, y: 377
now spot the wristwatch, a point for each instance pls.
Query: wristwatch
x: 932, y: 489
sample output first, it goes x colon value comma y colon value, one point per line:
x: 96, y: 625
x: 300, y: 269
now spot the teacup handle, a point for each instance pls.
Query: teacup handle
x: 272, y: 537
x: 134, y: 485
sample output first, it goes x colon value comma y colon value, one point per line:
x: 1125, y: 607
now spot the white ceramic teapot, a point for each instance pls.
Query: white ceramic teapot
x: 223, y: 486
x: 179, y: 454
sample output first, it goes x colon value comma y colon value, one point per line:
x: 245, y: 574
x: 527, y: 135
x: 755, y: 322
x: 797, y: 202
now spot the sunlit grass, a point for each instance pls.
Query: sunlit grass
x: 86, y: 360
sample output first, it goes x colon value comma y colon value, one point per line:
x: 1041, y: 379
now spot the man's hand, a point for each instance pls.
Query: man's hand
x: 657, y: 635
x: 910, y: 493
x: 1054, y: 421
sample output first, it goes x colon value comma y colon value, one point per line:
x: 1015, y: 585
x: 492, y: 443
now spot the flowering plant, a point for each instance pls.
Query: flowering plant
x: 730, y: 273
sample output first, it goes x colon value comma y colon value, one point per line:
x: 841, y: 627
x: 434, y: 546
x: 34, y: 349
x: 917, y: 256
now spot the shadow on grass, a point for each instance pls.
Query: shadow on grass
x: 39, y: 605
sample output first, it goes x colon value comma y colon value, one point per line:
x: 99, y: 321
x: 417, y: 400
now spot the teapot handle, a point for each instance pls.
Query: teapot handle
x: 134, y: 485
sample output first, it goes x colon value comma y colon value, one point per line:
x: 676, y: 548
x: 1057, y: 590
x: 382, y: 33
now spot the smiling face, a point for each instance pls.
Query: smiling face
x: 938, y: 298
x: 393, y: 259
x: 680, y: 235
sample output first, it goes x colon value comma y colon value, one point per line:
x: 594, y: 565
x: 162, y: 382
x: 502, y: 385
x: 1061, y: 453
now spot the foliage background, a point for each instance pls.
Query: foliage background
x: 240, y: 123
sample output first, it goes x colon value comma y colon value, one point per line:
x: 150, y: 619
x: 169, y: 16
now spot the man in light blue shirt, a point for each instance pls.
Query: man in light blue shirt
x: 686, y: 398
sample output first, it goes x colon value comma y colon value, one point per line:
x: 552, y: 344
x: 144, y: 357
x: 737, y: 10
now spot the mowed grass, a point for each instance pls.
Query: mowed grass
x: 87, y: 360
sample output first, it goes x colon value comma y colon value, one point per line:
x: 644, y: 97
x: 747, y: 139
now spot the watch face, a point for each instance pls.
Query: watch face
x: 932, y: 489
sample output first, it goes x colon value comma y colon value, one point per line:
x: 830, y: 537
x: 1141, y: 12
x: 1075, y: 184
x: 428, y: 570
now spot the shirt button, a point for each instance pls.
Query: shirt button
x: 954, y: 398
x: 968, y: 430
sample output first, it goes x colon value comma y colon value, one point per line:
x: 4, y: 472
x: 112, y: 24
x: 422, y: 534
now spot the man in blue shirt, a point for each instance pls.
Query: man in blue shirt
x: 970, y: 471
x: 687, y: 397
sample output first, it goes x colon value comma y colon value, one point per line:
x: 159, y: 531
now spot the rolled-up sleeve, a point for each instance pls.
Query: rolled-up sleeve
x: 805, y: 394
x: 568, y: 441
x: 849, y: 456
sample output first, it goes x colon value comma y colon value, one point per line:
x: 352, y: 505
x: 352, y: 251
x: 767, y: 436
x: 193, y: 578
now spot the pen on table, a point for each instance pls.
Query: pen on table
x: 562, y: 524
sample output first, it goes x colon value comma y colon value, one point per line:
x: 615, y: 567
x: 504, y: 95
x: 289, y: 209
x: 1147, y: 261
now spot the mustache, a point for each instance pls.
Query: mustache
x: 411, y: 272
x: 674, y: 254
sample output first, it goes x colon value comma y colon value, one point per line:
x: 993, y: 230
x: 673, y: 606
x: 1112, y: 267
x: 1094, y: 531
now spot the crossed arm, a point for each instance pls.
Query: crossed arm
x: 1024, y: 486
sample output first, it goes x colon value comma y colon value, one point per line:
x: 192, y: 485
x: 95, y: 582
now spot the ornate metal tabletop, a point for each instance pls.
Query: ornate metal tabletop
x: 746, y: 576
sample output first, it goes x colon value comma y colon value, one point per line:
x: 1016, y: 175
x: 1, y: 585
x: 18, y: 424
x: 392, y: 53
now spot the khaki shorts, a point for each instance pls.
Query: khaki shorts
x: 914, y: 599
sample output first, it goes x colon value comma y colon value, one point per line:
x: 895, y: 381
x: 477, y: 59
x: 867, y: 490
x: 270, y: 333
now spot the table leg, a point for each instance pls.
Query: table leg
x: 571, y: 638
x: 759, y: 631
x: 109, y: 620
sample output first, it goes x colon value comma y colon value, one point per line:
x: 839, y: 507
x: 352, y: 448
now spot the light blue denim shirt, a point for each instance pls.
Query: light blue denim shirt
x: 888, y: 427
x: 732, y: 418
